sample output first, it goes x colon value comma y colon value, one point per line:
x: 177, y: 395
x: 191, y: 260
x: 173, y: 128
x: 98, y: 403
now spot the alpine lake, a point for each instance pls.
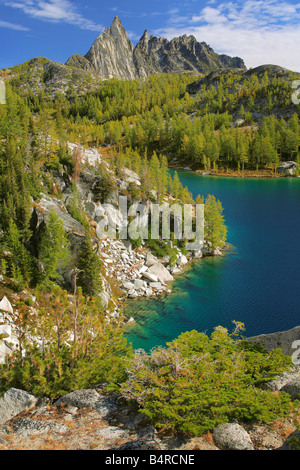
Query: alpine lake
x: 256, y: 282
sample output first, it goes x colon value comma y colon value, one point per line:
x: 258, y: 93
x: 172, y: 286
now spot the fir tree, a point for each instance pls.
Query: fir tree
x: 54, y: 247
x: 89, y: 277
x: 215, y: 229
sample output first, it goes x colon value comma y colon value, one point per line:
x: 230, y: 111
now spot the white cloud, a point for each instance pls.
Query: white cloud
x: 261, y: 32
x: 57, y: 11
x: 16, y: 27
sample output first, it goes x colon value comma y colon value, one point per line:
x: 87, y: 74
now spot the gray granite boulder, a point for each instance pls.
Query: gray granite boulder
x: 89, y: 399
x: 26, y: 426
x: 14, y: 402
x: 293, y: 389
x: 161, y: 273
x: 232, y: 436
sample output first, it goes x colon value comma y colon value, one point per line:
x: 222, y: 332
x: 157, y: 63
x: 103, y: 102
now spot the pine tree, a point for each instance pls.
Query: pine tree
x: 215, y: 229
x: 54, y: 248
x: 89, y: 264
x: 20, y: 260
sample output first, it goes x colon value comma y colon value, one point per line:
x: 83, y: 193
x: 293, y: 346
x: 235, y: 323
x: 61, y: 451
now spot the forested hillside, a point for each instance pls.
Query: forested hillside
x: 230, y: 120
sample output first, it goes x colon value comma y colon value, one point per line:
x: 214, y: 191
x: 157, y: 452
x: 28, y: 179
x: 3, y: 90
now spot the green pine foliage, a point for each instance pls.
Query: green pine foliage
x: 215, y: 231
x: 197, y: 382
x: 54, y: 247
x: 89, y: 265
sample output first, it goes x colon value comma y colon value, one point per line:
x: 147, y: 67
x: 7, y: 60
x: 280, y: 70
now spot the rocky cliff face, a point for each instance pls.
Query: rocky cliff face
x: 111, y: 55
x: 114, y: 55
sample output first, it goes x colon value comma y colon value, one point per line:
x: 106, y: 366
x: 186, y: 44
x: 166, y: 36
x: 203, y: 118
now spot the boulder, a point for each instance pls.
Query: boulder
x: 105, y: 298
x: 128, y: 286
x: 90, y: 156
x: 131, y: 177
x: 99, y: 213
x: 13, y: 402
x: 292, y: 375
x: 232, y: 436
x: 293, y: 389
x: 127, y: 245
x: 5, y: 306
x: 5, y: 331
x: 27, y: 426
x: 132, y: 294
x: 151, y: 277
x: 287, y: 168
x: 160, y: 272
x: 156, y: 285
x: 89, y: 398
x: 198, y: 254
x: 43, y: 208
x: 182, y: 261
x: 139, y: 444
x: 90, y: 209
x: 150, y: 260
x: 139, y: 283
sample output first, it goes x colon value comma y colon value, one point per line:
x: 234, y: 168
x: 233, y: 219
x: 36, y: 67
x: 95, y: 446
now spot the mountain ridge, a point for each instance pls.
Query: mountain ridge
x: 113, y: 55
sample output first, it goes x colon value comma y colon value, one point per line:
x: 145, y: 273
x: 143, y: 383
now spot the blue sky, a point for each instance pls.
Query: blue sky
x: 259, y: 31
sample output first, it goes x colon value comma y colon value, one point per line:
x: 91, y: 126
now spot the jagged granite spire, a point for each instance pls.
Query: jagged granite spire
x: 111, y: 55
x: 114, y: 55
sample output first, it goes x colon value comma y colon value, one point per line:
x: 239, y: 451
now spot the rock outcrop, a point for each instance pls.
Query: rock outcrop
x: 283, y: 340
x: 114, y: 55
x: 287, y: 168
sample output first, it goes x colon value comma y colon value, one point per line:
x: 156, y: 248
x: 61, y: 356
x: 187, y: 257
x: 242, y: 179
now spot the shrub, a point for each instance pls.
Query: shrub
x: 64, y: 346
x: 197, y: 383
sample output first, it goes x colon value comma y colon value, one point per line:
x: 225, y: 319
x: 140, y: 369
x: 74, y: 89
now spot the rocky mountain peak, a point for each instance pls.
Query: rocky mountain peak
x: 117, y: 30
x: 114, y: 55
x: 111, y: 55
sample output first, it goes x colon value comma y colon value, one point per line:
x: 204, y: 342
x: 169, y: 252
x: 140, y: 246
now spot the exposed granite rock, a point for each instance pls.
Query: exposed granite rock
x: 26, y: 426
x: 111, y: 55
x: 112, y: 432
x: 5, y: 306
x: 292, y: 388
x: 232, y: 436
x: 160, y: 272
x: 287, y: 168
x: 89, y: 399
x: 79, y: 61
x: 284, y: 340
x: 114, y: 55
x: 158, y: 55
x: 13, y: 402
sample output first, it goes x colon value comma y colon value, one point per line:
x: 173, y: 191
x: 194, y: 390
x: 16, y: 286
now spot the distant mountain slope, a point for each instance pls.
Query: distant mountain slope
x: 114, y: 55
x: 248, y: 96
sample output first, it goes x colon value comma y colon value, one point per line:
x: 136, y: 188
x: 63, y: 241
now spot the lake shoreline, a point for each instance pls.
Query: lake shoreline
x: 234, y: 174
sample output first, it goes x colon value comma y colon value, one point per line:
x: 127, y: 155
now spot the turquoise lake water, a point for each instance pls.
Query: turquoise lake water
x: 257, y: 282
